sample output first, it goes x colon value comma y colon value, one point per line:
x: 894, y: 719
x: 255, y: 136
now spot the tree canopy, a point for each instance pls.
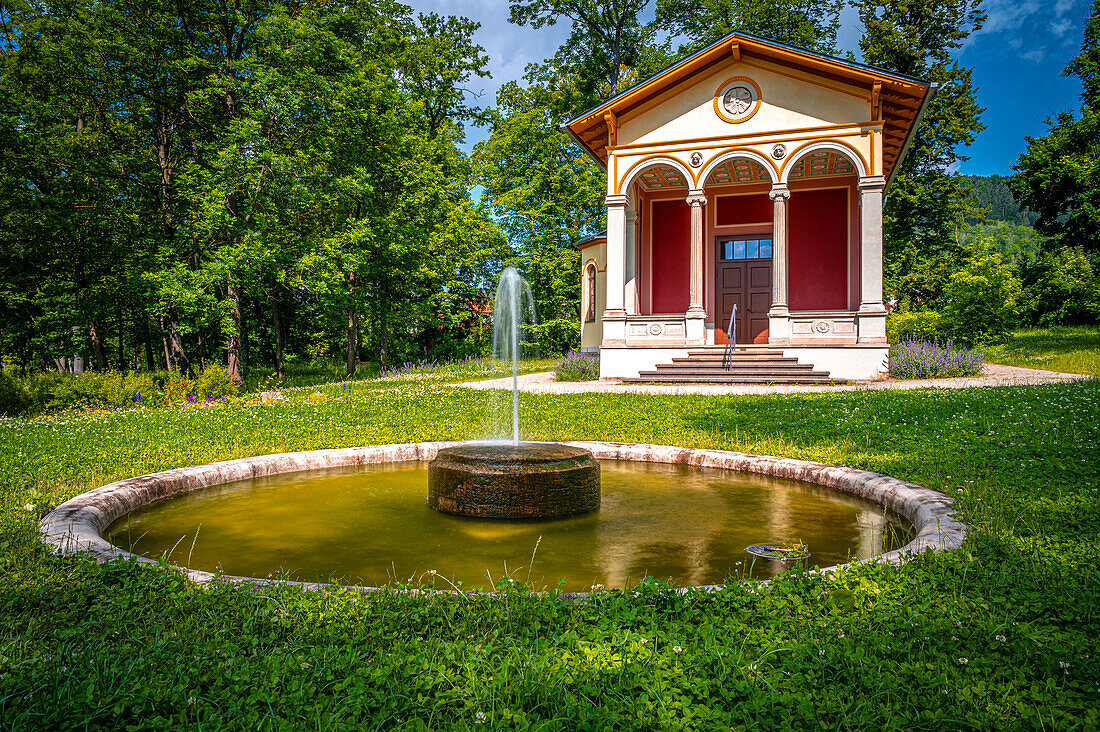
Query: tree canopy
x: 237, y: 177
x: 1058, y: 176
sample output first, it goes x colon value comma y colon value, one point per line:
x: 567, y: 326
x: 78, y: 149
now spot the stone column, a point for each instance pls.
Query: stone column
x: 614, y: 316
x: 696, y: 314
x: 779, y: 327
x: 631, y: 264
x: 872, y: 313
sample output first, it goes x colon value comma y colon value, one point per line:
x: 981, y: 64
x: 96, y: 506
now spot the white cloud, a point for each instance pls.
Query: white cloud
x: 1015, y: 21
x: 510, y: 48
x: 1009, y: 15
x: 1061, y: 27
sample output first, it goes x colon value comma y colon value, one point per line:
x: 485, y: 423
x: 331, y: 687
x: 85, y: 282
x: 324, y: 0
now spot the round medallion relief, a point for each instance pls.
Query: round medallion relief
x: 656, y: 329
x: 822, y: 326
x: 737, y: 99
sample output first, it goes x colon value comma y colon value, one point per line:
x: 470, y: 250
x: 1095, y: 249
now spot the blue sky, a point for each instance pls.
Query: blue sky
x: 1017, y: 59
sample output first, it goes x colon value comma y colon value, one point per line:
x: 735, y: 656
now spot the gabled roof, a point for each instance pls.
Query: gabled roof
x: 586, y: 241
x: 902, y: 98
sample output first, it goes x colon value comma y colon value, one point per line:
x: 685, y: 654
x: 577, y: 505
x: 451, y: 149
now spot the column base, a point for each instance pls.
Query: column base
x: 872, y: 326
x: 779, y: 326
x: 695, y: 329
x: 614, y: 329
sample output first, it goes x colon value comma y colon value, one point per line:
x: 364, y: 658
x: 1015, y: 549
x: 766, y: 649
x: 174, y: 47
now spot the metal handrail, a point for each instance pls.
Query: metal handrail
x: 727, y: 357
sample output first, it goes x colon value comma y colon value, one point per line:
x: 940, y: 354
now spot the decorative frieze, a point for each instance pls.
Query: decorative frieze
x: 652, y: 331
x: 823, y: 328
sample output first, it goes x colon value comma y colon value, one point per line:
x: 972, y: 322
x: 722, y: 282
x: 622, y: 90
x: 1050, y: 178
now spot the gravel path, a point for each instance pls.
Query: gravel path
x: 993, y: 375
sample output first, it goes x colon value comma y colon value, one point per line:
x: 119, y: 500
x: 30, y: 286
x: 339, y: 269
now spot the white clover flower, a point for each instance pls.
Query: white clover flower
x: 480, y: 717
x: 1001, y: 638
x: 963, y: 661
x: 28, y: 507
x: 190, y: 701
x: 1064, y: 666
x: 677, y: 649
x: 643, y: 641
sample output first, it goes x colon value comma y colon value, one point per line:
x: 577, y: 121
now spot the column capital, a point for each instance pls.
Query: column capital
x: 872, y: 183
x: 779, y: 190
x: 696, y: 198
x: 617, y: 200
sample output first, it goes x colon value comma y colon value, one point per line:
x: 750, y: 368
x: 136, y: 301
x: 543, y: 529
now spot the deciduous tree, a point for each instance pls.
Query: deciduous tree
x: 1058, y: 176
x: 927, y: 202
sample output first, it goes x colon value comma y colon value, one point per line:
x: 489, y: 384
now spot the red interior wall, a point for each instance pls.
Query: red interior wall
x: 741, y: 209
x: 671, y: 259
x: 817, y: 221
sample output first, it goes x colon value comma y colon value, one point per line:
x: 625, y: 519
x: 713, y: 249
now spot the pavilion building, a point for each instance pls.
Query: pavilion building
x: 745, y: 188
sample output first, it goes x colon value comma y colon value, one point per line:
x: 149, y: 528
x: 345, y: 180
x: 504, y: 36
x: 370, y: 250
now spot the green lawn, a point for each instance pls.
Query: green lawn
x: 1000, y: 634
x: 1069, y: 349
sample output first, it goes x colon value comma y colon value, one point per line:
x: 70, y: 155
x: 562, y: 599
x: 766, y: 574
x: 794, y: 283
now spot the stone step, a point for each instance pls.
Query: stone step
x: 751, y: 364
x: 762, y: 374
x: 732, y: 379
x: 712, y: 350
x: 749, y: 360
x: 743, y: 368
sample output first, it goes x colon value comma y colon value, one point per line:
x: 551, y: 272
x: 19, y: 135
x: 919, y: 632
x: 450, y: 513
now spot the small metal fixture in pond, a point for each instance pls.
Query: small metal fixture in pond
x: 781, y: 552
x: 514, y: 479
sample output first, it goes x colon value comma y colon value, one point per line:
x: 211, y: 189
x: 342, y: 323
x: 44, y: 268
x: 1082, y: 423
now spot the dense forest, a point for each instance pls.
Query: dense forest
x: 250, y: 183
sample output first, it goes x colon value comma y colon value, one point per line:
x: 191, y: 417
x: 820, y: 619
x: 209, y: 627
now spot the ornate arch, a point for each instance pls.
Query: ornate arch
x: 845, y: 149
x: 589, y: 278
x: 734, y: 153
x: 640, y: 167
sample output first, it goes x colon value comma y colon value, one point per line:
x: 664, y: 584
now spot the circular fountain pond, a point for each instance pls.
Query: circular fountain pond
x: 360, y: 516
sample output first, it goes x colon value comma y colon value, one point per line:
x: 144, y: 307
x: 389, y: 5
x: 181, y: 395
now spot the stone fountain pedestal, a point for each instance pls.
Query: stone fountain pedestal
x: 525, y: 481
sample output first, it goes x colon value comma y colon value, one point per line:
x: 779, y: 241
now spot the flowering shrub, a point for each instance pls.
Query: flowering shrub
x: 578, y: 366
x: 917, y: 359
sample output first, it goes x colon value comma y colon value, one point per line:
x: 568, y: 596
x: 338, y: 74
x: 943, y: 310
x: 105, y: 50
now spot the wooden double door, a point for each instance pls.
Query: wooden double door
x: 743, y: 277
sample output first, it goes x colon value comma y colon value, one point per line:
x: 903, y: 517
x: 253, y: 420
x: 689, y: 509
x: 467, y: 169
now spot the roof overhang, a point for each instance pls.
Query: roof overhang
x: 902, y: 99
x: 590, y: 240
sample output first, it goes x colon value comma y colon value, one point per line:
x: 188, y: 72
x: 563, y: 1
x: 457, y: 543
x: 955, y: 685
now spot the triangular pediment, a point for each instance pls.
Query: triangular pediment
x: 768, y: 87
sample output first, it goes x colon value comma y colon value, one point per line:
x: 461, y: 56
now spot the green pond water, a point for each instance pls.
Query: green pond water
x: 371, y: 525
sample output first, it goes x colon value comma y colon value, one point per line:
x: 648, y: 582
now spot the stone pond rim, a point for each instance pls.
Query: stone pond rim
x: 506, y: 481
x: 77, y: 525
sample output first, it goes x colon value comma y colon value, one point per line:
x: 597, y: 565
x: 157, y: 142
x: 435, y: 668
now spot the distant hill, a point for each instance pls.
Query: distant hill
x: 993, y: 191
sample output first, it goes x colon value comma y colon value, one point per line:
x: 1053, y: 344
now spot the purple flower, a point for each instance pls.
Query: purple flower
x: 919, y: 359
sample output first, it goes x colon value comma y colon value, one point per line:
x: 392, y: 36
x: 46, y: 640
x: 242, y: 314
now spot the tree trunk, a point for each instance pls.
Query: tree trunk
x: 176, y: 343
x: 383, y: 343
x: 167, y: 351
x: 121, y: 340
x: 277, y: 327
x: 236, y: 367
x: 351, y: 356
x: 148, y: 338
x: 97, y: 347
